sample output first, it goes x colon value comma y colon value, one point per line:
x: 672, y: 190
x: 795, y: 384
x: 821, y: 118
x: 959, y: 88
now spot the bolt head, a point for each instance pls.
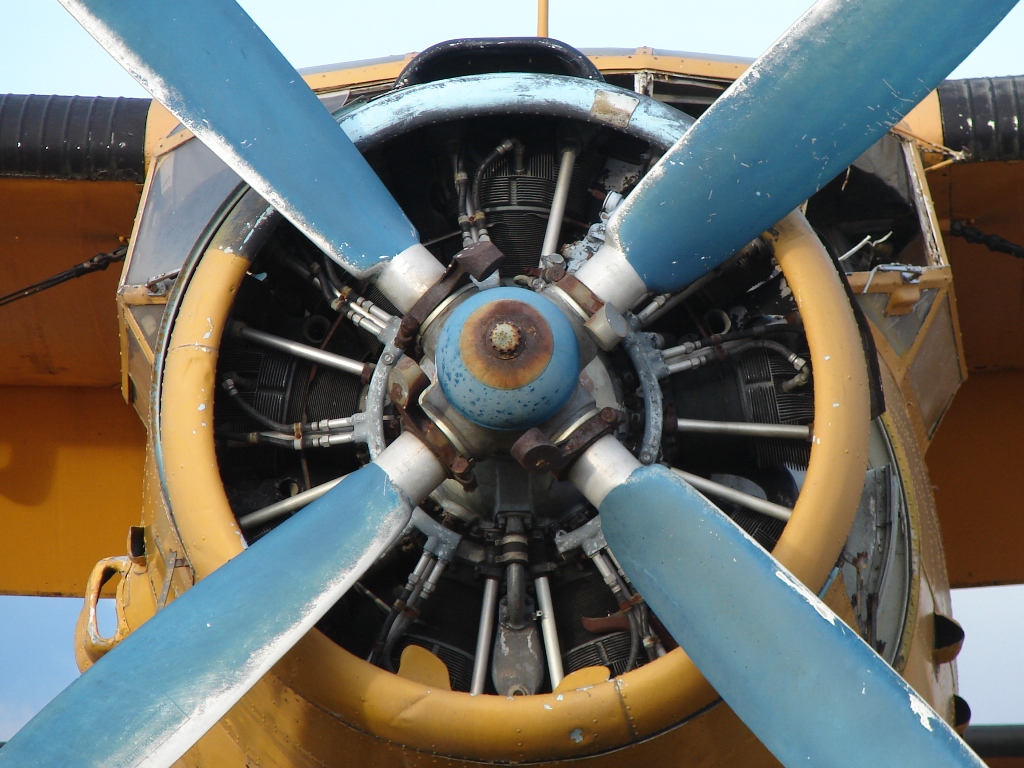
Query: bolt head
x: 506, y: 339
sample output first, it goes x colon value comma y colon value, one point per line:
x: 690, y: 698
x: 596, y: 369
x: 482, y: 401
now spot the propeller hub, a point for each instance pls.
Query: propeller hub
x: 507, y: 358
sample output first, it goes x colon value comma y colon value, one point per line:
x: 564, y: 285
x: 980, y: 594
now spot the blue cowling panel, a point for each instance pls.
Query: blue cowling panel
x: 507, y: 93
x: 830, y: 87
x: 152, y: 697
x: 212, y: 67
x: 808, y: 687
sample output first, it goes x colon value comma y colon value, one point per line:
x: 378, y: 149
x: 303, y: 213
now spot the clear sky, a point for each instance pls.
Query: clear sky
x: 42, y: 50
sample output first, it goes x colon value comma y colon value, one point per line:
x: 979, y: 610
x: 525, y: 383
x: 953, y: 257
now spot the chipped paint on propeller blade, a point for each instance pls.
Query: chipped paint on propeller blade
x: 809, y: 688
x: 153, y: 696
x: 215, y: 70
x: 828, y: 89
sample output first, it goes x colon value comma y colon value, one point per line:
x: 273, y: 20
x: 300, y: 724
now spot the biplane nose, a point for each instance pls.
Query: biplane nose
x: 507, y: 359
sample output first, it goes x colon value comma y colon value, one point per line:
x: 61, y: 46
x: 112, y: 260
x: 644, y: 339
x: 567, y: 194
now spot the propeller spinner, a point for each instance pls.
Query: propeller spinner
x: 508, y: 359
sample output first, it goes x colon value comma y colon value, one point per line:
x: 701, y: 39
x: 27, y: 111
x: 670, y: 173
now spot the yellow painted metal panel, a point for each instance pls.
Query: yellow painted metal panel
x: 66, y: 336
x: 989, y: 286
x: 974, y: 455
x: 974, y: 461
x: 355, y: 74
x: 71, y: 461
x: 646, y: 59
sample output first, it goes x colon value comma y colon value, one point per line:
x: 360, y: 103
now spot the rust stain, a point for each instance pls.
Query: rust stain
x: 506, y: 344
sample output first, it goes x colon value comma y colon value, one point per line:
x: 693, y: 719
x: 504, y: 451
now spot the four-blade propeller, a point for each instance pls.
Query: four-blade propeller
x: 834, y: 83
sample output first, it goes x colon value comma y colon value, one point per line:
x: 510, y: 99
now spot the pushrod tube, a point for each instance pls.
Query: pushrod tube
x: 287, y: 506
x: 306, y: 352
x: 712, y: 488
x: 483, y: 639
x: 549, y: 630
x: 785, y: 431
x: 554, y: 230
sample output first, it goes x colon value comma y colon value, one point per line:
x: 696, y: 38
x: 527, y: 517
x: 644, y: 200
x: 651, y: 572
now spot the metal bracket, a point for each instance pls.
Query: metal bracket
x: 537, y: 454
x: 577, y: 291
x: 368, y: 426
x: 173, y: 562
x: 589, y: 537
x: 416, y: 421
x: 478, y: 261
x: 441, y: 541
x: 650, y: 367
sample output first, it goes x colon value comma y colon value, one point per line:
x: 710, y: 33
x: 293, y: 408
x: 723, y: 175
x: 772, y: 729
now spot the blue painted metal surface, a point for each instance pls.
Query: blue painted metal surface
x: 210, y: 65
x: 505, y: 93
x: 806, y: 684
x: 519, y: 408
x: 834, y: 83
x: 167, y: 683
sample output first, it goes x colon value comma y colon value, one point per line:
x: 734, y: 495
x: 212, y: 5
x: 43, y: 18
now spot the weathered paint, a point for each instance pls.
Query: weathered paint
x: 213, y: 68
x: 783, y: 130
x: 805, y: 683
x: 504, y: 93
x: 516, y: 407
x: 320, y: 677
x: 186, y: 667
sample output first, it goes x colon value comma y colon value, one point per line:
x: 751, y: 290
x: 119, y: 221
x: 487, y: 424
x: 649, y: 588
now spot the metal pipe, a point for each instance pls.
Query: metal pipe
x: 329, y: 425
x: 355, y: 311
x: 285, y: 506
x: 476, y: 213
x: 554, y: 230
x: 786, y: 431
x: 659, y: 307
x: 688, y: 348
x: 423, y: 590
x: 384, y: 607
x: 304, y: 351
x: 328, y: 441
x: 624, y: 598
x: 367, y: 315
x: 515, y: 594
x: 726, y: 340
x: 232, y: 389
x: 474, y: 229
x: 365, y: 305
x: 609, y: 575
x: 549, y: 630
x: 483, y: 638
x: 365, y: 323
x: 385, y: 636
x: 712, y: 488
x: 689, y: 363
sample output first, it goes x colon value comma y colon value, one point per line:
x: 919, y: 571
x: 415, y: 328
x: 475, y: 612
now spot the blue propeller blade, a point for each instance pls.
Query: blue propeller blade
x: 152, y: 697
x: 806, y: 684
x: 827, y: 90
x: 212, y: 67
